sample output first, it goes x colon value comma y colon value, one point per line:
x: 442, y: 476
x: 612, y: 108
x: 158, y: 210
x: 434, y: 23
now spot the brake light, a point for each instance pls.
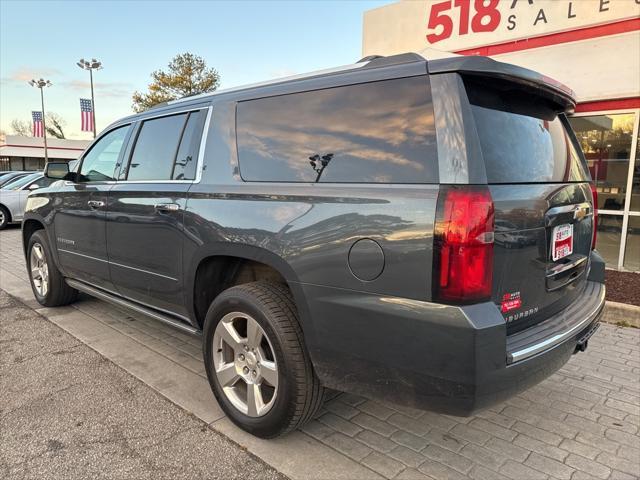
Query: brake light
x: 594, y: 194
x: 463, y: 245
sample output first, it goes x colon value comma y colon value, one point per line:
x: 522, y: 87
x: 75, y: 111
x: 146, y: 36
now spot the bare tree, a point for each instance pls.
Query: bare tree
x: 21, y: 127
x: 55, y: 126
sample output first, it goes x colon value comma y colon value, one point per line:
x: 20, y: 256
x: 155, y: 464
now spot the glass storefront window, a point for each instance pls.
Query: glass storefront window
x: 609, y: 236
x: 632, y: 249
x: 635, y: 188
x: 606, y: 142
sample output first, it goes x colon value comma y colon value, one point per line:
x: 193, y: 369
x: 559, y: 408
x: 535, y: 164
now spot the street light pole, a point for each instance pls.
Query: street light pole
x: 41, y: 84
x: 91, y: 66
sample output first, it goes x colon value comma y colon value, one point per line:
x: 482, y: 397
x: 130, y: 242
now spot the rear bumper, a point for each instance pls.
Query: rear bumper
x: 449, y: 359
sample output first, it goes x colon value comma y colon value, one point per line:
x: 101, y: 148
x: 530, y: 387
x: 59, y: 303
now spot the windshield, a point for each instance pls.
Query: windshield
x: 523, y: 140
x: 18, y: 183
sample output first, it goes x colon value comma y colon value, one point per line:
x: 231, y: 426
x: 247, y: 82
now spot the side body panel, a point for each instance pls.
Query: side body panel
x: 307, y: 231
x: 145, y: 243
x: 79, y: 231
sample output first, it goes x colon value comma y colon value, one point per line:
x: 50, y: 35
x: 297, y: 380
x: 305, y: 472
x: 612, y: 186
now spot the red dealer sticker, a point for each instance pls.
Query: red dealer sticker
x: 562, y: 241
x: 510, y: 301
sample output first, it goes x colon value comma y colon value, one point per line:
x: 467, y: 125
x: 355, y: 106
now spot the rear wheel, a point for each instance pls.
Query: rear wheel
x: 5, y: 217
x: 47, y: 282
x: 256, y: 361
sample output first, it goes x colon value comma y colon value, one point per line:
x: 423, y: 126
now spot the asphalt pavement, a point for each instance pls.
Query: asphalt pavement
x: 66, y: 412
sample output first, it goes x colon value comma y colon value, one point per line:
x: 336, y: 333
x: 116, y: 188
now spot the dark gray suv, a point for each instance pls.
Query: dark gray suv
x: 415, y: 231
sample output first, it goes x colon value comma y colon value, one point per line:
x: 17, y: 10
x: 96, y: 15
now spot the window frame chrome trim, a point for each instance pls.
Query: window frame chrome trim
x: 132, y: 124
x: 201, y: 150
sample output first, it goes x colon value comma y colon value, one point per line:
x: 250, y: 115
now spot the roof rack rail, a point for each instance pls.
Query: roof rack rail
x: 368, y: 58
x: 381, y: 61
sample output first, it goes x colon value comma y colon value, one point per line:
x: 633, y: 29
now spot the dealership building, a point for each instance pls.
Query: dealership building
x: 593, y: 46
x: 18, y: 152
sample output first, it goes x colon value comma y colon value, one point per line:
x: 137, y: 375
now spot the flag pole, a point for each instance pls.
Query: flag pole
x: 44, y: 128
x: 91, y: 66
x: 41, y: 84
x: 93, y: 105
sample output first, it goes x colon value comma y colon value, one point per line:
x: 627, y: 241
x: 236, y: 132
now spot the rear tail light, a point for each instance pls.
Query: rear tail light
x: 463, y: 245
x: 594, y: 194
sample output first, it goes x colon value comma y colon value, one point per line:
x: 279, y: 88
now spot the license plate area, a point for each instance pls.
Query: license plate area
x: 561, y: 241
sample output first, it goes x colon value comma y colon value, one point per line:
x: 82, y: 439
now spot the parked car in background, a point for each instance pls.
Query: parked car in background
x: 6, y: 177
x: 13, y: 196
x: 415, y: 231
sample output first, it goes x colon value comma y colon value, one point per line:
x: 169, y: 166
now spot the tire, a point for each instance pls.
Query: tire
x: 298, y: 394
x: 5, y: 217
x: 57, y: 292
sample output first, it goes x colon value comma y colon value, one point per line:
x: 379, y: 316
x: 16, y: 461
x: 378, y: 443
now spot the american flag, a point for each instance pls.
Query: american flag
x: 38, y: 129
x: 86, y: 113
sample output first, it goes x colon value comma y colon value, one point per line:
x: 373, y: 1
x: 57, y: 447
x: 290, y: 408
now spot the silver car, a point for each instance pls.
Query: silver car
x: 13, y: 196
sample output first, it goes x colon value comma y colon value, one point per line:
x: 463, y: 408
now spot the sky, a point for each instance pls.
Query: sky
x: 245, y: 41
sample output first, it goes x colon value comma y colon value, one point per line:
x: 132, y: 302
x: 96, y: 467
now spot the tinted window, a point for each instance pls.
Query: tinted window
x: 156, y: 148
x: 99, y: 163
x: 523, y: 139
x: 187, y: 159
x: 18, y: 183
x: 380, y: 132
x: 42, y: 182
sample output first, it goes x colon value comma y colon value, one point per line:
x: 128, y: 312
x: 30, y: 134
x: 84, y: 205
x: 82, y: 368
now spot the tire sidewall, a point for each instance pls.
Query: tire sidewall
x: 39, y: 237
x: 5, y: 218
x: 273, y: 421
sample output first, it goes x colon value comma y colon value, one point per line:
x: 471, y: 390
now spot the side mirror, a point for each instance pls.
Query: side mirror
x: 33, y: 186
x: 56, y: 170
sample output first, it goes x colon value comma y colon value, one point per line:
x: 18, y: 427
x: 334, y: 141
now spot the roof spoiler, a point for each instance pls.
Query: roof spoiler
x: 559, y: 93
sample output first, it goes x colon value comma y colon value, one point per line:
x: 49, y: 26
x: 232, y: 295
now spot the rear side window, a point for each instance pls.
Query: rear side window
x: 379, y: 132
x: 187, y: 158
x: 167, y: 148
x: 155, y: 150
x: 522, y: 139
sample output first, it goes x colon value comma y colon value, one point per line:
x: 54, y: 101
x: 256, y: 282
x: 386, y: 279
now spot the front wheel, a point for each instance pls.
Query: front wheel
x: 256, y: 361
x: 47, y: 282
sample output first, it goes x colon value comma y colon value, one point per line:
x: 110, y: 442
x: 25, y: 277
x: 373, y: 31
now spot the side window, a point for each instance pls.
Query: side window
x: 100, y: 162
x: 378, y: 132
x: 156, y: 147
x: 187, y: 158
x: 42, y: 182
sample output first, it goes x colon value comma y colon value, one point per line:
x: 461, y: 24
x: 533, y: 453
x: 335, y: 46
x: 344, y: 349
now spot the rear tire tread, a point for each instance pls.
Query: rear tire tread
x: 277, y: 300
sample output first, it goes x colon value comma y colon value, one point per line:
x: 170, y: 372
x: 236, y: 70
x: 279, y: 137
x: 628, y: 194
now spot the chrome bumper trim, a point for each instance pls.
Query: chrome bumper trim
x: 547, y: 343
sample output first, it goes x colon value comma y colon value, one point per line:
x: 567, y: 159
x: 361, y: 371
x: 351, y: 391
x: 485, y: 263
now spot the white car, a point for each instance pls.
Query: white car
x: 13, y: 197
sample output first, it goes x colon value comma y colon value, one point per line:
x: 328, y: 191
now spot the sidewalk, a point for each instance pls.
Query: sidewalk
x: 581, y: 423
x: 68, y: 413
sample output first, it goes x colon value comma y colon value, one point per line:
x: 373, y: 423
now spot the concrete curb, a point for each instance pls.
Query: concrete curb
x: 621, y: 314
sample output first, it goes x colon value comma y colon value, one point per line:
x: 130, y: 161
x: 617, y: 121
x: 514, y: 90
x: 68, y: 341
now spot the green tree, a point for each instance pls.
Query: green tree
x: 187, y: 75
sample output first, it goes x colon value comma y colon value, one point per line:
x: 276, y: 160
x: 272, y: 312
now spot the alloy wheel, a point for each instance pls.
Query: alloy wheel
x: 39, y: 269
x: 245, y: 364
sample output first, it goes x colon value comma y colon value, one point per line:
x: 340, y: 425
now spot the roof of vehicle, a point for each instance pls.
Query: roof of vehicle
x: 436, y: 61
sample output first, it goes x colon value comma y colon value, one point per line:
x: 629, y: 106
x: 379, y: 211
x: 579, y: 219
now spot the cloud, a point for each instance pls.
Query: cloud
x: 102, y: 89
x: 24, y: 74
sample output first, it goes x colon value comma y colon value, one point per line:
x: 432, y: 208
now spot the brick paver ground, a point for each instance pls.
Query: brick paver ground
x: 581, y: 423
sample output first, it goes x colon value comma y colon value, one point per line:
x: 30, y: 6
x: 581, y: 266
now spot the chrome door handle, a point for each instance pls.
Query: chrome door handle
x: 95, y: 204
x: 167, y: 207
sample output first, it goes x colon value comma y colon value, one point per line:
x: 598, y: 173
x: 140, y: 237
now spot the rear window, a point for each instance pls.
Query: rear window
x: 523, y: 139
x: 378, y: 132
